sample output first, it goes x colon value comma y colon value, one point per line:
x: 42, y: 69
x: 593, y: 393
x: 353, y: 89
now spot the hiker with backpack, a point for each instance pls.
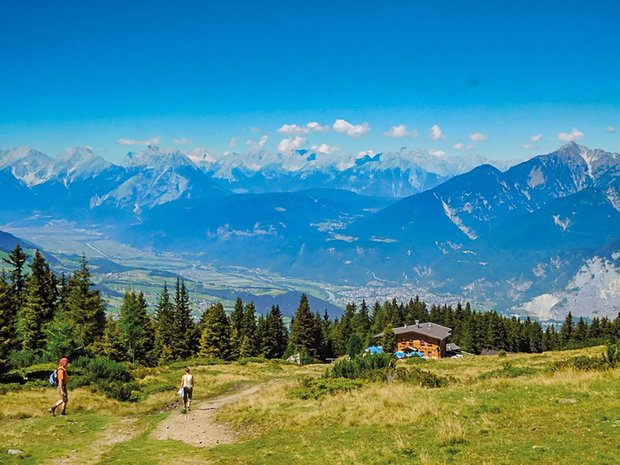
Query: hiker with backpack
x: 61, y: 380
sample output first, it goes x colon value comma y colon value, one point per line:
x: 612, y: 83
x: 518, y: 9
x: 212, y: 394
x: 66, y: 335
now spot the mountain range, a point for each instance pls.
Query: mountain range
x: 540, y: 237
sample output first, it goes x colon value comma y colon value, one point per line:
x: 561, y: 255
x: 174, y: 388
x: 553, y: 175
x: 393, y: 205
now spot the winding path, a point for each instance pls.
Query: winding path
x: 198, y: 427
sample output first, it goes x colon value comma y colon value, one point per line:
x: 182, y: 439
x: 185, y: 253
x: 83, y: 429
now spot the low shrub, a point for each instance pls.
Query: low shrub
x: 113, y: 379
x: 508, y: 370
x: 421, y: 377
x: 246, y: 360
x: 582, y: 363
x: 315, y: 388
x: 378, y: 367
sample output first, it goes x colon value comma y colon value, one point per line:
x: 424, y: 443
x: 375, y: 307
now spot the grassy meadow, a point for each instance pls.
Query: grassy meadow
x: 494, y: 410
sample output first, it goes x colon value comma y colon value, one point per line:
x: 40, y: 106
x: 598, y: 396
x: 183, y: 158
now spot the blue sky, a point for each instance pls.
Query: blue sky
x: 501, y: 79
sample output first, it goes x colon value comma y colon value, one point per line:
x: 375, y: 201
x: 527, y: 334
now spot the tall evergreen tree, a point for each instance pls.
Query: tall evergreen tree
x: 166, y: 329
x: 304, y: 335
x: 135, y: 327
x: 249, y: 340
x: 236, y: 329
x: 567, y: 330
x: 30, y: 319
x: 274, y: 335
x: 215, y: 338
x: 112, y: 343
x: 63, y: 338
x: 186, y: 339
x: 17, y: 260
x: 85, y: 307
x: 6, y: 323
x: 47, y: 285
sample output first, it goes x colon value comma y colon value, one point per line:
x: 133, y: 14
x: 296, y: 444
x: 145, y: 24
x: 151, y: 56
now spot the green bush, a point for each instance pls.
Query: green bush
x: 421, y: 377
x: 582, y: 363
x: 313, y: 388
x: 113, y: 379
x: 378, y: 367
x: 508, y: 370
x: 246, y: 360
x: 26, y: 358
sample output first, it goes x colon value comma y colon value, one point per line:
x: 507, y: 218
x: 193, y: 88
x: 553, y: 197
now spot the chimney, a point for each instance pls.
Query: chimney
x: 417, y: 323
x: 430, y: 324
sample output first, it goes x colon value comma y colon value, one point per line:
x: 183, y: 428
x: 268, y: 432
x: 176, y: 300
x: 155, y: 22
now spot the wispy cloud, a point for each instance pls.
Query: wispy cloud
x: 463, y: 146
x: 291, y: 143
x: 401, y: 131
x: 152, y: 141
x: 436, y: 133
x: 478, y: 137
x: 353, y: 130
x: 536, y: 138
x: 574, y: 134
x: 312, y: 126
x: 181, y: 140
x: 258, y: 145
x: 233, y: 142
x: 527, y: 146
x: 611, y: 129
x: 437, y: 153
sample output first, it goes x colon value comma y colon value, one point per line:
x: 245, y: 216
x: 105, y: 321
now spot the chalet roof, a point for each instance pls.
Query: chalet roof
x: 425, y: 329
x: 452, y: 347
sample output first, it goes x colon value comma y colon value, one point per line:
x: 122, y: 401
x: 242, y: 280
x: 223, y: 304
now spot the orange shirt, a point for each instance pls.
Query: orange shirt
x: 63, y: 377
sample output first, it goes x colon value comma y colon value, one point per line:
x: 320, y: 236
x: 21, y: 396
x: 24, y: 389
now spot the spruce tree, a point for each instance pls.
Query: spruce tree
x: 47, y: 284
x: 6, y: 323
x: 249, y: 340
x: 236, y: 329
x: 166, y: 330
x: 135, y: 327
x: 304, y: 329
x: 112, y: 343
x: 275, y: 338
x: 389, y: 341
x: 85, y: 307
x: 355, y: 345
x: 30, y: 319
x: 63, y: 338
x: 567, y: 330
x: 215, y: 338
x: 185, y: 344
x: 17, y: 260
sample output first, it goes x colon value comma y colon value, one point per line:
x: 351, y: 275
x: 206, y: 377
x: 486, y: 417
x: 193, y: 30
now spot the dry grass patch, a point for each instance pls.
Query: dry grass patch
x: 450, y: 432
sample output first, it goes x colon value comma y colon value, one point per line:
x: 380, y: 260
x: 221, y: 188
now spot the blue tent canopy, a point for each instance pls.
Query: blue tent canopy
x: 372, y: 350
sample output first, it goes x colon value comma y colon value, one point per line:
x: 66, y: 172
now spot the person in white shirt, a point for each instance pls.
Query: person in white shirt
x: 187, y: 384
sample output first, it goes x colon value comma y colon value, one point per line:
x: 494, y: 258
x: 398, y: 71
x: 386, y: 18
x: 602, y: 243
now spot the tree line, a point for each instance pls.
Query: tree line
x: 44, y: 317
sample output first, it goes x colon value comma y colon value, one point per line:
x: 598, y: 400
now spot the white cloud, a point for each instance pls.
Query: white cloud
x: 312, y: 126
x: 478, y: 137
x: 181, y: 140
x: 575, y: 134
x: 353, y: 130
x: 436, y: 133
x: 611, y: 129
x: 254, y: 130
x: 463, y: 146
x: 325, y: 149
x: 290, y: 144
x: 437, y: 153
x: 527, y: 146
x: 151, y: 141
x: 233, y: 142
x: 401, y: 131
x: 258, y: 145
x: 536, y: 138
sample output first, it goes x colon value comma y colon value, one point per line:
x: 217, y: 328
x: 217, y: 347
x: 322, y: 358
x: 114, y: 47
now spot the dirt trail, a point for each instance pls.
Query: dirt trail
x: 121, y: 431
x: 198, y: 427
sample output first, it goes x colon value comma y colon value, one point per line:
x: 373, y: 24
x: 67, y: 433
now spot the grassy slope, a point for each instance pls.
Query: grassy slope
x: 565, y: 417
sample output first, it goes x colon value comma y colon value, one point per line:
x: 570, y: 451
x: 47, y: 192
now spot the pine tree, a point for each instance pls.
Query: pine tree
x: 236, y: 329
x: 165, y: 323
x: 135, y: 327
x: 567, y: 330
x: 215, y: 338
x: 185, y: 343
x: 249, y: 340
x: 304, y: 330
x: 112, y: 344
x: 388, y: 341
x: 17, y: 260
x: 30, y: 319
x: 276, y: 335
x: 47, y: 284
x: 6, y: 323
x: 580, y: 332
x: 355, y: 345
x: 85, y: 307
x: 63, y: 338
